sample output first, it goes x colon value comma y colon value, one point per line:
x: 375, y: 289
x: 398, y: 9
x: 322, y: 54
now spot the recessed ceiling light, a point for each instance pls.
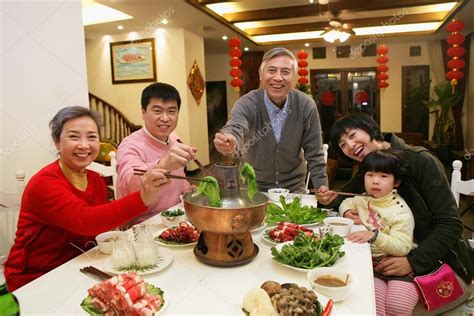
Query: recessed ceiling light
x: 120, y: 27
x: 95, y: 13
x: 224, y: 37
x: 164, y: 21
x: 246, y: 49
x: 306, y: 44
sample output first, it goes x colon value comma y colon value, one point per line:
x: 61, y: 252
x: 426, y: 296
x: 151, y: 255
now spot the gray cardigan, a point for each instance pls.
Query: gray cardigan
x: 279, y: 164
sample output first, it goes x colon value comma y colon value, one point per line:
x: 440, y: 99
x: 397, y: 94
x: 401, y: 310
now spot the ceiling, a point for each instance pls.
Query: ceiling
x: 277, y: 17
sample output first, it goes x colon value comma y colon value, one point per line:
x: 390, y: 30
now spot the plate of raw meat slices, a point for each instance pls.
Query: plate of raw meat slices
x: 182, y: 235
x: 124, y: 294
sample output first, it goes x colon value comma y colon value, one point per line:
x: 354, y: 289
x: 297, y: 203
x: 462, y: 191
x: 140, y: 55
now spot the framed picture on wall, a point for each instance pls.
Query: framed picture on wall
x: 133, y: 61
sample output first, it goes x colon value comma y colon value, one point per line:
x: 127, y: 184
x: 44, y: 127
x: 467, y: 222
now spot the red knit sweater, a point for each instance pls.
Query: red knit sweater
x: 54, y: 215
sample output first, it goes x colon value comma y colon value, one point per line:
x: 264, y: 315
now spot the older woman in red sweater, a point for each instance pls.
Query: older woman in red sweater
x: 64, y: 205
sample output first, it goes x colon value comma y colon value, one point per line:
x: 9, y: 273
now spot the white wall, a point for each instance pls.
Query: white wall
x: 176, y: 50
x: 42, y: 59
x: 217, y: 69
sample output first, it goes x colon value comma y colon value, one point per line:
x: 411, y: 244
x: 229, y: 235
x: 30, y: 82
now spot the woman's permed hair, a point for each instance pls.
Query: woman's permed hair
x: 385, y: 161
x: 57, y: 123
x: 354, y: 121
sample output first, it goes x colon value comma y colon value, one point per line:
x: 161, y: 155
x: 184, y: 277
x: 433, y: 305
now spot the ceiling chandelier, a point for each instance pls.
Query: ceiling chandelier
x: 337, y: 32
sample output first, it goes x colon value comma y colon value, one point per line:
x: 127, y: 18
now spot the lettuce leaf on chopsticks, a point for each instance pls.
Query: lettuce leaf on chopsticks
x: 247, y: 175
x: 208, y: 186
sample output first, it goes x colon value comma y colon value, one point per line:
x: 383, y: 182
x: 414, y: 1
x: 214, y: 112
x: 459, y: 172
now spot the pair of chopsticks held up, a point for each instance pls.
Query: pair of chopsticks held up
x: 140, y: 172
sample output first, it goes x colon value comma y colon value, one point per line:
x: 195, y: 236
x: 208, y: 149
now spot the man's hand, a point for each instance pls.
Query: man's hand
x: 151, y: 183
x: 394, y: 266
x: 324, y: 195
x: 177, y: 157
x: 225, y: 143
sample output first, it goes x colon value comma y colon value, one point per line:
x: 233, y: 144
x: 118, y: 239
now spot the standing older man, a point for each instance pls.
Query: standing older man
x: 275, y: 128
x: 155, y: 145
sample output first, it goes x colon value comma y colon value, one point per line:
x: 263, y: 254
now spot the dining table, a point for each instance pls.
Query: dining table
x: 192, y: 287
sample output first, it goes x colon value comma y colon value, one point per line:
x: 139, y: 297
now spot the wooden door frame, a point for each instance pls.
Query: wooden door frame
x: 344, y: 95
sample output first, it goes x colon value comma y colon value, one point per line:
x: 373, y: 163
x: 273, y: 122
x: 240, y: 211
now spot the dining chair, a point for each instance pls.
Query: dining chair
x: 308, y: 176
x: 107, y: 171
x: 464, y: 187
x: 9, y: 213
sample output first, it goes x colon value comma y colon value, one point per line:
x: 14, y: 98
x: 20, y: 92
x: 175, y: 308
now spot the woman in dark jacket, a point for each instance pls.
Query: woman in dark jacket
x: 425, y: 188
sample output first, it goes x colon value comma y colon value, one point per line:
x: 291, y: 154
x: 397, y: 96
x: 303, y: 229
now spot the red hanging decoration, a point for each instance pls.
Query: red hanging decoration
x: 382, y: 59
x: 302, y: 64
x: 328, y: 98
x: 235, y: 63
x: 455, y: 39
x: 361, y: 97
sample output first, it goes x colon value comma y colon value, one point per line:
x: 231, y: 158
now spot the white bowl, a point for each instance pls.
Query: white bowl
x: 471, y: 243
x: 335, y: 293
x: 340, y: 225
x: 170, y: 221
x: 274, y: 194
x: 106, y: 240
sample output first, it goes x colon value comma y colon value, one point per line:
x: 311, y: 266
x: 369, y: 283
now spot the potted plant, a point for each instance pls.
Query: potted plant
x: 441, y: 107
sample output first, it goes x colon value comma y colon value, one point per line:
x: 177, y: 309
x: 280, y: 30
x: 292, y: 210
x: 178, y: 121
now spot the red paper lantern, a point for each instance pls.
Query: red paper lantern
x: 382, y: 59
x: 302, y: 54
x: 455, y: 51
x: 382, y: 76
x: 235, y: 63
x: 361, y: 96
x: 303, y: 80
x: 455, y: 26
x: 456, y: 63
x: 383, y: 84
x: 328, y: 98
x: 382, y: 68
x: 302, y: 71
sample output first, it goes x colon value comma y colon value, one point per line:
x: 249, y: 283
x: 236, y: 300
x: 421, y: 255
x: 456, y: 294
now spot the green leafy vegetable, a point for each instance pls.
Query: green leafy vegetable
x: 173, y: 213
x: 247, y: 175
x: 293, y: 212
x: 209, y: 187
x: 308, y: 252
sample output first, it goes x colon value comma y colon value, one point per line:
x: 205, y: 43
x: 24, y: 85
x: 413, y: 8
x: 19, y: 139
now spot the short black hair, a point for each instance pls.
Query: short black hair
x: 386, y: 161
x: 352, y: 121
x: 68, y: 113
x: 160, y: 90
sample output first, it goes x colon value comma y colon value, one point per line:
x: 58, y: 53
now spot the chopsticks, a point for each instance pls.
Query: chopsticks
x: 90, y: 270
x: 198, y: 163
x: 141, y: 172
x: 338, y: 192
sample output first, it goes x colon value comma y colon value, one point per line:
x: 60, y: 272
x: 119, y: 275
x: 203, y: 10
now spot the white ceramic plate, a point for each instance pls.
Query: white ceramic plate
x: 266, y: 238
x: 259, y: 227
x: 163, y: 260
x: 279, y: 247
x: 306, y: 225
x: 170, y: 244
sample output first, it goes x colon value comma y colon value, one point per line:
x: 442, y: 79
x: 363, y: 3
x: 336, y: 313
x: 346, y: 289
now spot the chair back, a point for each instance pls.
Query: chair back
x: 308, y: 176
x: 458, y: 186
x: 107, y: 171
x: 9, y: 213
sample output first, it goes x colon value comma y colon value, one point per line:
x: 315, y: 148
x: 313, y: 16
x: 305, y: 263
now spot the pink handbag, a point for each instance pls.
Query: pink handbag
x: 438, y: 288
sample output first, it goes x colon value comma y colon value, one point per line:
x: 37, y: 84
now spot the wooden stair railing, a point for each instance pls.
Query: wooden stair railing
x: 115, y: 126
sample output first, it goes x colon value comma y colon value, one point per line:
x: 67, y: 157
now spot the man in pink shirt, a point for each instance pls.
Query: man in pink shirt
x: 155, y: 145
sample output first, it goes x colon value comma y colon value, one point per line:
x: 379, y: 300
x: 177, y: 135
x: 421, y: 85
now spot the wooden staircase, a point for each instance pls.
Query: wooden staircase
x: 115, y: 126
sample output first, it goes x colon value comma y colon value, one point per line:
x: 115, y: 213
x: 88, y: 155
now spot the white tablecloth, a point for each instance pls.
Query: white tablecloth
x: 192, y: 287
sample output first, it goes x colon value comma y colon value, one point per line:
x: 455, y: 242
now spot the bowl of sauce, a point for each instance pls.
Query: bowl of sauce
x: 331, y: 282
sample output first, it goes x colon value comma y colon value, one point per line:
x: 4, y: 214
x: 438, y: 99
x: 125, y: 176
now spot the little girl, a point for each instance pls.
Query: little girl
x: 390, y: 224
